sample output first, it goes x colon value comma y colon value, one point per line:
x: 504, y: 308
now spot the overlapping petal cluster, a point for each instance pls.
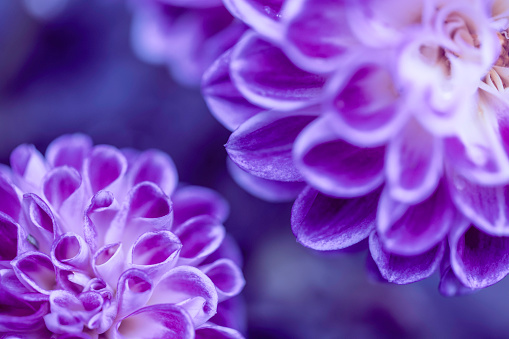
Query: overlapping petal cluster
x: 187, y: 36
x: 391, y: 120
x: 99, y: 242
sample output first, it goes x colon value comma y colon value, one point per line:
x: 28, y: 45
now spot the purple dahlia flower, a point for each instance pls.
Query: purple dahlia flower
x: 394, y: 116
x: 101, y: 243
x: 187, y: 36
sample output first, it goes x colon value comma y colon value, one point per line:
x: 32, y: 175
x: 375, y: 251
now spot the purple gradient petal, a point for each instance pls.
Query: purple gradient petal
x: 27, y: 163
x: 200, y: 236
x: 10, y: 203
x: 450, y: 285
x: 40, y: 221
x: 36, y: 271
x: 157, y: 167
x: 155, y: 322
x: 270, y: 190
x: 109, y: 263
x: 334, y: 166
x: 364, y: 102
x: 226, y: 276
x: 104, y: 169
x: 98, y: 217
x: 231, y: 313
x: 71, y: 252
x: 265, y: 76
x: 262, y: 15
x: 324, y: 223
x: 229, y: 249
x: 415, y: 229
x: 9, y: 233
x: 193, y: 3
x: 414, y: 164
x: 189, y: 287
x: 69, y: 150
x: 486, y: 206
x: 22, y: 320
x: 211, y: 331
x: 225, y: 102
x: 404, y: 269
x: 62, y: 323
x: 155, y: 253
x: 478, y: 259
x: 262, y: 146
x: 133, y: 291
x: 192, y: 201
x: 317, y: 34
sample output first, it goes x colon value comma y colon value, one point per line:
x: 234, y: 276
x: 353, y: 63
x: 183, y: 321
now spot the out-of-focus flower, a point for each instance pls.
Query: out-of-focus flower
x: 101, y: 243
x: 187, y: 36
x: 45, y: 10
x: 395, y: 116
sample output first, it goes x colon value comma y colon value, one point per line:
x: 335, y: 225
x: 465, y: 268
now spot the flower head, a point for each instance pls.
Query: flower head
x: 393, y: 114
x: 187, y: 36
x: 101, y: 243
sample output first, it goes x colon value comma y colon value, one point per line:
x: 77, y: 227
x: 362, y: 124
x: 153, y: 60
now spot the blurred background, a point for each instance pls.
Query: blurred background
x: 71, y: 69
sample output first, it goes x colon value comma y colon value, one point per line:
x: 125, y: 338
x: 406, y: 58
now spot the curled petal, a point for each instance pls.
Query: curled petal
x: 70, y: 252
x: 189, y: 287
x: 133, y: 291
x: 225, y: 102
x: 73, y: 281
x: 40, y: 222
x: 265, y: 76
x: 10, y: 235
x: 157, y: 167
x: 414, y: 164
x: 200, y: 237
x: 98, y: 217
x: 217, y: 332
x: 415, y: 229
x: 262, y: 15
x: 156, y: 322
x: 317, y: 34
x: 324, y: 223
x: 155, y: 253
x: 69, y: 150
x: 334, y: 166
x: 263, y: 145
x: 226, y: 276
x: 105, y: 168
x: 9, y: 199
x: 192, y: 201
x: 404, y: 269
x: 27, y: 163
x: 477, y: 258
x: 62, y: 323
x: 36, y: 271
x: 270, y: 190
x: 109, y: 263
x: 24, y: 320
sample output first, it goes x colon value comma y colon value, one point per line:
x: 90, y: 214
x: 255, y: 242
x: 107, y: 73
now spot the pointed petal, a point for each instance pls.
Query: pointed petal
x: 324, y: 223
x: 262, y: 146
x: 404, y: 269
x: 192, y: 201
x: 69, y: 150
x: 265, y: 76
x: 225, y: 102
x: 415, y: 229
x: 334, y: 166
x: 269, y: 190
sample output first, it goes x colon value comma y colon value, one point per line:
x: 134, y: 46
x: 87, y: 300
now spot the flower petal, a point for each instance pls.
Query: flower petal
x: 269, y: 190
x: 226, y: 276
x: 9, y: 198
x: 39, y: 221
x: 200, y: 237
x: 183, y: 284
x: 265, y: 76
x: 324, y: 223
x: 217, y: 332
x: 415, y: 229
x: 450, y: 285
x: 334, y: 166
x: 404, y: 269
x: 105, y: 168
x: 157, y: 167
x: 262, y: 146
x: 156, y: 322
x: 133, y: 291
x: 192, y: 201
x: 99, y: 215
x: 225, y: 102
x: 71, y: 252
x: 9, y: 233
x: 27, y: 163
x: 69, y: 150
x: 36, y: 271
x: 478, y: 259
x: 109, y: 263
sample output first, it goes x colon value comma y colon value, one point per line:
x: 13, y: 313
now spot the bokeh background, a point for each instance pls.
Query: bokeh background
x: 74, y: 71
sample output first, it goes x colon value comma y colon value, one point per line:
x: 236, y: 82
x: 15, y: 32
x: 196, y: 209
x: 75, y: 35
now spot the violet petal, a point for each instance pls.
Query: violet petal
x: 69, y: 150
x: 104, y: 169
x: 226, y: 276
x: 36, y: 271
x: 28, y: 164
x: 133, y: 291
x: 209, y: 331
x: 157, y: 167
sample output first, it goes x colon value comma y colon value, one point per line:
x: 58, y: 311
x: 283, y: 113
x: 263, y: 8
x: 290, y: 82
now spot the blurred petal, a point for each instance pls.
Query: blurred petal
x: 69, y: 150
x: 9, y: 199
x: 10, y: 238
x: 28, y: 164
x: 324, y: 223
x: 217, y: 332
x: 226, y: 276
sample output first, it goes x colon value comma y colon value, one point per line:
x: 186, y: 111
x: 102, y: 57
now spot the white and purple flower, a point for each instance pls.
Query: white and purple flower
x: 187, y: 36
x: 101, y: 243
x: 392, y: 120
